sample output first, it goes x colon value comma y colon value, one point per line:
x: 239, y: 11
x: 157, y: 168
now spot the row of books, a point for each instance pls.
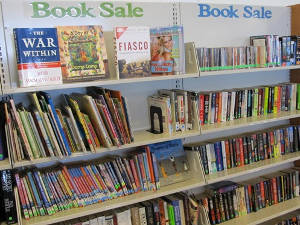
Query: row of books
x: 295, y: 220
x: 8, y: 212
x: 86, y: 122
x: 50, y: 56
x: 230, y: 201
x: 177, y: 110
x: 45, y: 192
x: 172, y: 209
x: 264, y: 51
x: 243, y: 150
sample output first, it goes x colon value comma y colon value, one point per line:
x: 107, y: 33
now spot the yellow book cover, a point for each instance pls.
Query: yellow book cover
x: 82, y: 53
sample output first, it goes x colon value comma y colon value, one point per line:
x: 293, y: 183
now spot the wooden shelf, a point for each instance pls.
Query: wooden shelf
x: 252, y: 168
x: 266, y: 214
x: 115, y: 203
x: 249, y: 121
x: 97, y: 83
x: 247, y: 70
x: 5, y: 164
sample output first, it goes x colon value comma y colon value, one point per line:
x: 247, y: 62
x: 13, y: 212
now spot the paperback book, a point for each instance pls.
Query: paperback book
x: 38, y: 59
x: 132, y: 47
x: 83, y: 53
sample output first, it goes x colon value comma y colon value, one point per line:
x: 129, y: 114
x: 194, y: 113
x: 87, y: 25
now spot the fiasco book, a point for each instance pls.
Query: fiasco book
x: 83, y: 53
x: 38, y: 57
x: 132, y: 46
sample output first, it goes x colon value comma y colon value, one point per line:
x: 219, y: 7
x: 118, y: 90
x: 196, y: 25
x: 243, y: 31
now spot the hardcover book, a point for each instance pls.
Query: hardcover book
x: 132, y: 46
x: 83, y: 53
x: 38, y: 57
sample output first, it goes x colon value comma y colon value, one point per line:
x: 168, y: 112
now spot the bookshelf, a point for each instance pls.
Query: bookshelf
x: 145, y: 138
x: 263, y: 215
x: 142, y: 137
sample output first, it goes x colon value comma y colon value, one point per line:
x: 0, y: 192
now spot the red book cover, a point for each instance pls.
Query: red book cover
x: 274, y: 192
x: 242, y: 159
x: 250, y: 197
x: 162, y: 212
x: 135, y: 175
x: 150, y: 164
x: 220, y: 107
x: 217, y: 107
x: 227, y: 151
x: 201, y: 108
x: 279, y: 99
x: 262, y: 192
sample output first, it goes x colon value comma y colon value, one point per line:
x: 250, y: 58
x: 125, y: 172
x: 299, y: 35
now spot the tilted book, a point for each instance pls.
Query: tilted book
x: 83, y: 53
x: 132, y: 48
x: 37, y: 56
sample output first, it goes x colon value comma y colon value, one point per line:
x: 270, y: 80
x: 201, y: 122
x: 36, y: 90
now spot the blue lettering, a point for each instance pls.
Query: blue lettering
x: 204, y: 10
x: 225, y: 12
x: 232, y: 12
x: 215, y: 12
x: 247, y: 12
x: 268, y: 14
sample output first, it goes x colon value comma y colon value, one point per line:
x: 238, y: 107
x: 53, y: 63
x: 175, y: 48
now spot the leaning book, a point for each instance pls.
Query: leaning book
x: 83, y: 53
x: 132, y: 47
x: 38, y: 57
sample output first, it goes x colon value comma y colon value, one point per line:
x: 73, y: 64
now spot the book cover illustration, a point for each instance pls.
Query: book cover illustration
x: 167, y: 50
x: 171, y: 161
x: 83, y: 53
x: 132, y: 51
x: 38, y: 59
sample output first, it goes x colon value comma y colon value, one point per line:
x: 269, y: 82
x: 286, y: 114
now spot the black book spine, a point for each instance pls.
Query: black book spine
x: 241, y: 93
x: 278, y: 182
x: 8, y: 199
x: 245, y: 149
x: 234, y: 152
x: 249, y: 103
x: 295, y: 139
x: 249, y: 148
x: 228, y: 106
x: 236, y: 106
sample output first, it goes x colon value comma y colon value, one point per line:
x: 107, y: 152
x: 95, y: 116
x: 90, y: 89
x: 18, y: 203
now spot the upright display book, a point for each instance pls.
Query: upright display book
x: 167, y: 50
x: 171, y: 161
x: 38, y: 59
x: 83, y: 53
x: 132, y: 48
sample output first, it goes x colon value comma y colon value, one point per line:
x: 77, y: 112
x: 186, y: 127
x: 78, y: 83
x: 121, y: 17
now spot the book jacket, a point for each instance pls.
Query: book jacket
x: 132, y: 48
x: 38, y: 57
x: 83, y: 53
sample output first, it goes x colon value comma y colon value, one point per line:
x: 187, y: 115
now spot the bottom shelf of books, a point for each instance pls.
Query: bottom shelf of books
x: 114, y: 203
x: 263, y: 215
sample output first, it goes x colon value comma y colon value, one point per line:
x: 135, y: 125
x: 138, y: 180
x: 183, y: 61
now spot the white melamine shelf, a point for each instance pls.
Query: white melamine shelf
x: 5, y: 164
x: 144, y: 137
x: 141, y: 138
x: 249, y: 121
x: 247, y: 70
x: 263, y: 215
x: 97, y: 83
x: 115, y: 203
x: 252, y: 168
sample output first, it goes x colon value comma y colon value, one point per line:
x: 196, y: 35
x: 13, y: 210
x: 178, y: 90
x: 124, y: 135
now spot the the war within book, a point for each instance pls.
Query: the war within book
x: 171, y: 161
x: 132, y: 48
x: 167, y: 50
x: 82, y: 52
x: 37, y: 56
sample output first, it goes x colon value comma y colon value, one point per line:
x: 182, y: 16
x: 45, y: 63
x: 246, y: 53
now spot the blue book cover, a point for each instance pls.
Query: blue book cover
x: 38, y: 57
x: 219, y: 158
x: 170, y: 157
x: 176, y: 206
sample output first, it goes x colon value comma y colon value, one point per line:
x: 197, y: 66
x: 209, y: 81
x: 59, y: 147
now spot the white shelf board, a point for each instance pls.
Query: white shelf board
x: 112, y: 204
x: 5, y: 164
x: 263, y: 215
x: 141, y: 138
x: 252, y: 168
x: 249, y: 121
x: 97, y: 83
x: 247, y: 70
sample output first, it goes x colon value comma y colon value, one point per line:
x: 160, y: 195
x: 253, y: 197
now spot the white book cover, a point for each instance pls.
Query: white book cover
x: 232, y: 105
x: 132, y: 48
x: 224, y: 155
x: 224, y: 105
x: 124, y: 218
x: 143, y: 217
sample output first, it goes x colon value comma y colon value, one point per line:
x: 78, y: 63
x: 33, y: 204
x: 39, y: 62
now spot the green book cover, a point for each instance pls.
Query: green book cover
x: 298, y: 96
x: 266, y: 100
x: 255, y: 102
x: 171, y: 214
